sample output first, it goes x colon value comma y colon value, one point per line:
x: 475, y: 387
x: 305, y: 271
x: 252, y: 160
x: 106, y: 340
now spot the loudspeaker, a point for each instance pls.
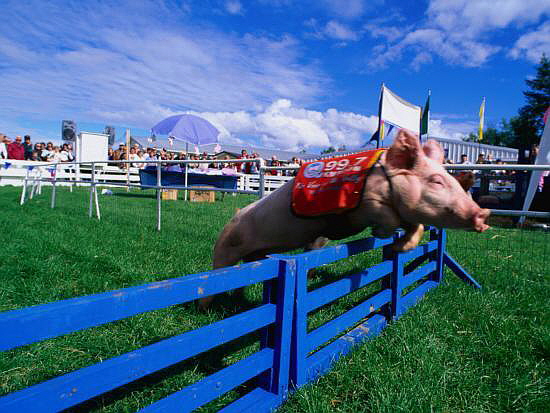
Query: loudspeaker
x: 68, y: 130
x: 110, y: 130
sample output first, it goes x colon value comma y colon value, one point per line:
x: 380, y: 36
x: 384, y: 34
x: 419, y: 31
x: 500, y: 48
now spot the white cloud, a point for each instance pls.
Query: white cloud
x: 532, y: 45
x: 473, y: 17
x: 285, y: 126
x: 234, y: 7
x: 346, y: 9
x: 136, y: 63
x: 459, y: 32
x: 339, y: 31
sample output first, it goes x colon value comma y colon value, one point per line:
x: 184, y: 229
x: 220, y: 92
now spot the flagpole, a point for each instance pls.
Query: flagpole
x: 428, y: 125
x: 380, y: 117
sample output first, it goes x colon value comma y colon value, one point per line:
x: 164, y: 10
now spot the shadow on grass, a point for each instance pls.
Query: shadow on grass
x: 224, y: 305
x: 135, y: 194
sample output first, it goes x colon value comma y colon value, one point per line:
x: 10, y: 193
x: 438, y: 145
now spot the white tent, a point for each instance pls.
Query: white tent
x: 543, y: 158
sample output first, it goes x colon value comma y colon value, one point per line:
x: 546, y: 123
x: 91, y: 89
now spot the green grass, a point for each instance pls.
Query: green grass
x: 458, y: 350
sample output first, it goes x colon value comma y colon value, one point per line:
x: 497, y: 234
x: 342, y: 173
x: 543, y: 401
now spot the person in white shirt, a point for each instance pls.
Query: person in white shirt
x: 3, y: 147
x: 55, y: 155
x: 141, y: 158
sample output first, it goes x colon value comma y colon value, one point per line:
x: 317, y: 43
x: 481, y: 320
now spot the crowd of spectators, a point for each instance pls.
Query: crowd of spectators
x: 143, y: 159
x: 24, y: 150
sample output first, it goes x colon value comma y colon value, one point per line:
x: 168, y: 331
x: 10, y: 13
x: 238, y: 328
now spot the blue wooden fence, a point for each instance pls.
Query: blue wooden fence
x: 288, y: 354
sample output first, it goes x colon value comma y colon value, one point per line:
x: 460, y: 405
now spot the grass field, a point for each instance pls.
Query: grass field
x: 458, y: 350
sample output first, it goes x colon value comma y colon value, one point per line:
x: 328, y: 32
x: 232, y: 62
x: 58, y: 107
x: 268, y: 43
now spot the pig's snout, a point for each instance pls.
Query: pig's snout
x: 479, y: 220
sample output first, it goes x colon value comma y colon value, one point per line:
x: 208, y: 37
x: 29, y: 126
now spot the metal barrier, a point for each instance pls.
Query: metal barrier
x: 288, y: 354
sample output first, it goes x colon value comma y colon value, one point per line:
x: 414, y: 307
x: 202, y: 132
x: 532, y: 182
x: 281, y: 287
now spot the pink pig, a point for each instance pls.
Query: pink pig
x: 407, y: 188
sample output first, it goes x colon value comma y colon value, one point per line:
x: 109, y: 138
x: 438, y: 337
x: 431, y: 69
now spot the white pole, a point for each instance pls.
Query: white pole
x: 261, y: 189
x: 186, y: 164
x: 24, y: 191
x: 90, y: 209
x: 128, y: 158
x: 159, y: 184
x: 54, y: 180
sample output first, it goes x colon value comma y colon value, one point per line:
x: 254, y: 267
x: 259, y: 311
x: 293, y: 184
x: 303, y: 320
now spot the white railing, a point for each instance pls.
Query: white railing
x: 32, y: 175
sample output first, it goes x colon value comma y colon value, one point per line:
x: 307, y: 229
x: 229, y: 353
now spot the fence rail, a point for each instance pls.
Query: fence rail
x: 100, y: 174
x: 288, y: 355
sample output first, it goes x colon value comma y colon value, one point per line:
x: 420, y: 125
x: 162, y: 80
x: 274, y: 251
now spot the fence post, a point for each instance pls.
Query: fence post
x: 398, y: 270
x: 261, y: 188
x: 98, y: 215
x: 91, y: 206
x: 54, y: 180
x: 159, y: 185
x: 441, y: 236
x: 186, y: 180
x: 280, y: 291
x: 298, y: 371
x: 24, y: 190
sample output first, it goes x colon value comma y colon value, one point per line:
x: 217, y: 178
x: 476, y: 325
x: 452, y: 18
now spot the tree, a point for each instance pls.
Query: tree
x: 330, y: 149
x: 526, y: 128
x: 538, y: 97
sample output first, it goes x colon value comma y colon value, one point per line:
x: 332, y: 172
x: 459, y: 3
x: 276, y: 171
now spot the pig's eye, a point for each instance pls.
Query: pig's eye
x: 436, y: 181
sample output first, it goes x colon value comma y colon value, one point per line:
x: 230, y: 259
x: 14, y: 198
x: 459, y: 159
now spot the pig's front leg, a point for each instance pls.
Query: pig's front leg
x: 387, y: 222
x: 413, y: 235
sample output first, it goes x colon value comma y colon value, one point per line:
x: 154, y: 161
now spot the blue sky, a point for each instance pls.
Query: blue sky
x: 282, y: 73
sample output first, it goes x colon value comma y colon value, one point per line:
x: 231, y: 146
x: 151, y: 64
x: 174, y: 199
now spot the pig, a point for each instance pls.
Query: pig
x: 407, y: 188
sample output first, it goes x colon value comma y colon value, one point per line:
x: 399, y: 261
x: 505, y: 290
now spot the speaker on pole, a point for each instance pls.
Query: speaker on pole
x: 68, y: 130
x: 110, y: 131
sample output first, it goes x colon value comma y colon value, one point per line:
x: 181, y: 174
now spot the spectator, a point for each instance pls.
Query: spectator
x: 133, y: 156
x: 295, y: 163
x: 489, y: 159
x: 56, y: 155
x: 241, y: 167
x: 28, y: 147
x: 16, y: 150
x: 141, y: 164
x: 64, y: 153
x: 464, y: 159
x: 275, y: 172
x: 47, y: 152
x: 34, y: 156
x: 4, y: 141
x: 110, y: 154
x: 70, y: 152
x: 151, y: 156
x: 480, y: 159
x: 38, y: 150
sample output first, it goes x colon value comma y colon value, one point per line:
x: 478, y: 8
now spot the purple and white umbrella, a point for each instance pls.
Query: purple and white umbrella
x: 187, y: 128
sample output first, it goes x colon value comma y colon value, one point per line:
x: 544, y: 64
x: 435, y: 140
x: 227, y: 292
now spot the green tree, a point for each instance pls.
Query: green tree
x: 526, y: 128
x: 538, y: 97
x: 330, y: 149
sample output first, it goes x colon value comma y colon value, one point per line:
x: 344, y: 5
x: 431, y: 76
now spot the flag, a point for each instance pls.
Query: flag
x: 171, y: 141
x: 7, y: 165
x: 481, y: 119
x: 425, y: 117
x: 375, y: 137
x: 217, y: 148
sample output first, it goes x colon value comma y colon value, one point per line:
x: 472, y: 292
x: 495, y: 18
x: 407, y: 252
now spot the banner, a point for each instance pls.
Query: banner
x: 543, y: 158
x: 399, y: 113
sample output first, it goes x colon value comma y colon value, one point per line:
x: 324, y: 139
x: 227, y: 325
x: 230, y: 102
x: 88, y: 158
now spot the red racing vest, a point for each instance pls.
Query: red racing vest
x: 333, y: 185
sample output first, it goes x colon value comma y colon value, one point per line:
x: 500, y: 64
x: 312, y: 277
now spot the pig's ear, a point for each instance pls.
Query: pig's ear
x: 405, y: 151
x: 433, y: 150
